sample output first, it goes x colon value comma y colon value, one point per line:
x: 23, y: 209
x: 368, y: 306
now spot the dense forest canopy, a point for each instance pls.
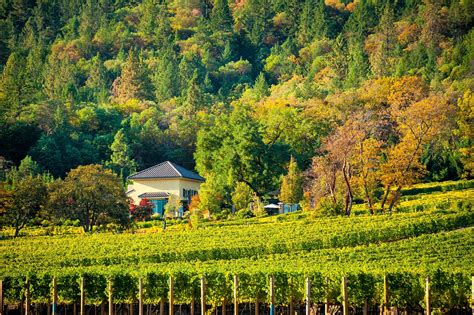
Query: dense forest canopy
x: 235, y: 89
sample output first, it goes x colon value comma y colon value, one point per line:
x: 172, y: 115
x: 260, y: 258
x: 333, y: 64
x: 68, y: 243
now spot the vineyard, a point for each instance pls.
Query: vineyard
x: 419, y: 257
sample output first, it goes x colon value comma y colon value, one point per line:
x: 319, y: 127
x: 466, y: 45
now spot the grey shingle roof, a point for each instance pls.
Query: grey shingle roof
x: 158, y: 194
x: 166, y: 170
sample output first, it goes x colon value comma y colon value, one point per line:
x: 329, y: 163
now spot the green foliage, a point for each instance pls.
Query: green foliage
x: 29, y: 196
x: 73, y: 56
x: 120, y: 160
x: 242, y: 196
x: 172, y: 206
x: 91, y: 195
x: 291, y: 190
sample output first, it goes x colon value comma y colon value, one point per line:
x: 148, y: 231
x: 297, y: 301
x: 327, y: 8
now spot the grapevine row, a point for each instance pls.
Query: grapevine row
x: 450, y: 268
x: 224, y: 243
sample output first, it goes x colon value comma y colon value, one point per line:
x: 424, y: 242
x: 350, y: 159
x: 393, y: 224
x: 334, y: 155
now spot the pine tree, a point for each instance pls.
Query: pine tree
x: 260, y: 20
x: 313, y: 22
x: 386, y: 40
x: 89, y: 20
x: 261, y: 86
x: 120, y: 161
x: 12, y: 84
x: 195, y: 99
x: 320, y: 22
x: 227, y: 54
x: 59, y: 79
x: 186, y: 71
x: 134, y: 82
x: 221, y: 17
x: 291, y: 190
x: 357, y: 66
x: 148, y: 20
x: 164, y: 79
x: 97, y: 80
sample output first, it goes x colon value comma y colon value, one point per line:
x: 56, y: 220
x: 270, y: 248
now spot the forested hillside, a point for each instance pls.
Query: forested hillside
x: 366, y: 96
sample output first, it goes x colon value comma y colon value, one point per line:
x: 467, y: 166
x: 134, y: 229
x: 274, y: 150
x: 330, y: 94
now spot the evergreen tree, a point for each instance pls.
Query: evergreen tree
x: 134, y: 82
x: 12, y: 85
x: 357, y: 65
x: 186, y: 72
x: 60, y: 79
x: 149, y: 16
x: 261, y: 86
x: 291, y: 190
x: 90, y: 20
x: 120, y: 161
x: 97, y: 80
x: 260, y: 20
x: 195, y: 99
x: 381, y: 58
x: 164, y: 79
x: 227, y: 54
x: 221, y: 17
x: 313, y: 22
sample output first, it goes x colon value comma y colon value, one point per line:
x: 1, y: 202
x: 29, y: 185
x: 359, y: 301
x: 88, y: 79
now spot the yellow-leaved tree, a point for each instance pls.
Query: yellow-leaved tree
x: 417, y: 125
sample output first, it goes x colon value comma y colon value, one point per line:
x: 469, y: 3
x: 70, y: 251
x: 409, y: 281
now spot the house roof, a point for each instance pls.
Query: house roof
x: 166, y: 170
x: 158, y: 194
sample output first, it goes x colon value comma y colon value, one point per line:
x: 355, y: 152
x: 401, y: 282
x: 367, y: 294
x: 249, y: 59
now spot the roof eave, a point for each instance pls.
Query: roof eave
x: 171, y: 177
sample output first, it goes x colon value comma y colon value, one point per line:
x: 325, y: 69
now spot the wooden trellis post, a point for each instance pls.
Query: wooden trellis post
x: 171, y: 312
x: 272, y: 295
x: 27, y: 298
x: 203, y: 296
x: 386, y: 299
x: 472, y: 297
x: 308, y: 295
x: 111, y: 305
x: 236, y: 301
x: 1, y: 297
x: 345, y: 303
x: 326, y: 303
x: 140, y: 297
x: 55, y: 297
x: 428, y: 296
x: 82, y: 310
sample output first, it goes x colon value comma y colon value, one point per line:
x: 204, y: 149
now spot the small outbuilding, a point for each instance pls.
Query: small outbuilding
x: 272, y: 209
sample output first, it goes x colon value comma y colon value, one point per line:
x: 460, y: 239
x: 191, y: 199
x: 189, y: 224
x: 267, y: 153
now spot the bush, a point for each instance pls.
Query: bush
x: 327, y: 207
x: 243, y: 214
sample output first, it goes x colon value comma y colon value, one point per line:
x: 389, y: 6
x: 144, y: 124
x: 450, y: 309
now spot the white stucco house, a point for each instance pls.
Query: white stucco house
x: 159, y: 182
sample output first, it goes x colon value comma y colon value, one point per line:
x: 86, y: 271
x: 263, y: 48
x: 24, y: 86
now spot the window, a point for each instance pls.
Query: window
x: 159, y: 206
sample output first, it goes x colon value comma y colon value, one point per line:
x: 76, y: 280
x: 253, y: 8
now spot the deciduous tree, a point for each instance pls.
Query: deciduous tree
x: 90, y: 194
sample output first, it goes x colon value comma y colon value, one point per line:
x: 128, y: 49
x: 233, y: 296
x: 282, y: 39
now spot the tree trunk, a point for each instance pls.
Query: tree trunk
x: 396, y: 196
x: 346, y: 173
x: 364, y: 178
x: 367, y: 197
x: 385, y: 197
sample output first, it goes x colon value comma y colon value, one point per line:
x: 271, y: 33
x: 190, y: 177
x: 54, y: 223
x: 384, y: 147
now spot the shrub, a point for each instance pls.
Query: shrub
x: 327, y: 207
x: 243, y: 214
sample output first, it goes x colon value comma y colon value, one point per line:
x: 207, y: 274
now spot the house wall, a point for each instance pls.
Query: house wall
x: 172, y: 186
